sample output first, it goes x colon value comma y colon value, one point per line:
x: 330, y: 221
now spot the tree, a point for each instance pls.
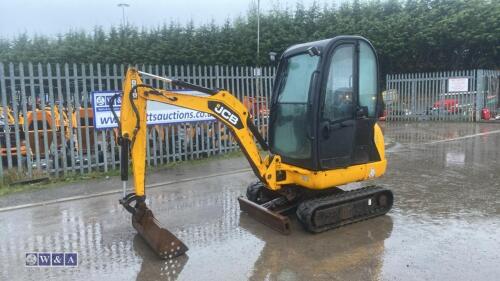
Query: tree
x: 410, y: 36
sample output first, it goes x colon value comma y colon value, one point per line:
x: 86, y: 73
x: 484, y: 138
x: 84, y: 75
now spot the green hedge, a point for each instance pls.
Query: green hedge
x: 410, y: 36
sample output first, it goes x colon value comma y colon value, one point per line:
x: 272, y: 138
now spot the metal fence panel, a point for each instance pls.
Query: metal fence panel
x: 429, y: 96
x: 491, y: 90
x: 48, y: 119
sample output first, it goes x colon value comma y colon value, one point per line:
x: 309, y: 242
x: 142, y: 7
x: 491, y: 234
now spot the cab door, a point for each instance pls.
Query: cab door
x: 349, y: 106
x: 368, y: 105
x: 337, y: 123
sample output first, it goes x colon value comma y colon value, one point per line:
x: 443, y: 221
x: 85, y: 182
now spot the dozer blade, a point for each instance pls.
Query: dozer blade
x: 272, y: 219
x: 163, y: 242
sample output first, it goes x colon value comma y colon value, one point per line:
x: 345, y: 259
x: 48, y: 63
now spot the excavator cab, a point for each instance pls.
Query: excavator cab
x: 325, y: 103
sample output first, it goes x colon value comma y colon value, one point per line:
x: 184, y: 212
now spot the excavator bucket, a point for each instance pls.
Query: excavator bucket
x: 162, y: 242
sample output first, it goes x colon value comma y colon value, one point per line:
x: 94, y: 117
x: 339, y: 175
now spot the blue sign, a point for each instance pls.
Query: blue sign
x: 156, y: 113
x: 51, y: 259
x: 57, y: 259
x: 70, y: 259
x: 44, y: 259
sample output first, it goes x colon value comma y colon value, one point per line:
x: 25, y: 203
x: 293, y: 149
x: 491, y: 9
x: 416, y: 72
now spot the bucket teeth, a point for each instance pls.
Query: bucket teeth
x: 162, y: 242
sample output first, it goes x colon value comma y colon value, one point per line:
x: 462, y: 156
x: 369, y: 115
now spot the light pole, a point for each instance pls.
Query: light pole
x: 258, y: 31
x: 123, y: 6
x: 257, y: 71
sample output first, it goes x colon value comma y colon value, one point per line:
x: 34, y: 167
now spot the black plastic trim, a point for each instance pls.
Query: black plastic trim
x: 187, y: 85
x: 256, y: 133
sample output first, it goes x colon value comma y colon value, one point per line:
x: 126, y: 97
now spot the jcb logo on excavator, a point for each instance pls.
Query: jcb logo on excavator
x: 225, y: 113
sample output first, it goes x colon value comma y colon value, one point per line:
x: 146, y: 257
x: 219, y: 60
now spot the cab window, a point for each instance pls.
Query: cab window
x: 338, y: 103
x: 367, y: 79
x: 289, y: 137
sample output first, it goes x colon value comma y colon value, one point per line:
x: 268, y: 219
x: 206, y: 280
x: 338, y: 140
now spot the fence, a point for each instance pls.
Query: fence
x: 46, y: 120
x: 443, y: 96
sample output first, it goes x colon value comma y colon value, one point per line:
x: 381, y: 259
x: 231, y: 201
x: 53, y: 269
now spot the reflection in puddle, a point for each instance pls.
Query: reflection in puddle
x: 339, y: 252
x: 428, y: 132
x: 455, y: 159
x: 153, y: 268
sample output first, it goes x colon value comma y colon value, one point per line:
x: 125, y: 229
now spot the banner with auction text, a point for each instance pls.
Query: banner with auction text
x: 157, y: 113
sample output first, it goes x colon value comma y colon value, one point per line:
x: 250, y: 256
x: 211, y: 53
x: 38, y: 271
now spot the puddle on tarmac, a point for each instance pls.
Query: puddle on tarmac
x: 445, y: 225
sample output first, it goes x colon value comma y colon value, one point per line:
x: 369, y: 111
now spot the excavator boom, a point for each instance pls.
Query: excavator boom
x: 133, y: 140
x: 221, y: 104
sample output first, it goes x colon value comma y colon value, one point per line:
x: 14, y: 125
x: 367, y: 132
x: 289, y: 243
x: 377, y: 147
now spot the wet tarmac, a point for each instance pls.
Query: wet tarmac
x: 445, y: 224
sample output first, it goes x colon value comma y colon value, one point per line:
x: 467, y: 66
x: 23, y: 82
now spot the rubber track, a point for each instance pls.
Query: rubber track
x: 255, y: 188
x: 306, y: 209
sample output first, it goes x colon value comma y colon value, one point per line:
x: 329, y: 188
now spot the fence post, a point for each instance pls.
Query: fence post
x: 111, y: 135
x: 5, y: 108
x: 78, y: 117
x: 441, y: 95
x: 480, y: 90
x: 35, y: 123
x: 16, y: 115
x: 24, y: 109
x: 70, y: 111
x: 85, y: 102
x: 62, y: 121
x: 218, y: 124
x: 46, y: 144
x: 53, y: 127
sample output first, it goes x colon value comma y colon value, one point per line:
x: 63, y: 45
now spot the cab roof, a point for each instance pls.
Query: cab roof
x: 322, y: 45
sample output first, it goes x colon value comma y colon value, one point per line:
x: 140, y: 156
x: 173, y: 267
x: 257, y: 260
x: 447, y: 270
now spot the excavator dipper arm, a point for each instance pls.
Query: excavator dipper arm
x: 133, y: 139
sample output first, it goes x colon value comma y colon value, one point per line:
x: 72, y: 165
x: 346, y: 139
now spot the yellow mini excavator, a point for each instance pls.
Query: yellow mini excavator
x: 322, y: 134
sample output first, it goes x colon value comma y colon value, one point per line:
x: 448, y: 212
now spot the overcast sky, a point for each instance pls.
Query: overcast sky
x: 50, y: 17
